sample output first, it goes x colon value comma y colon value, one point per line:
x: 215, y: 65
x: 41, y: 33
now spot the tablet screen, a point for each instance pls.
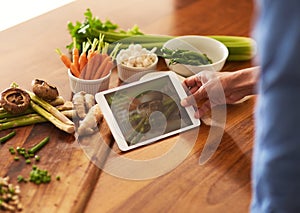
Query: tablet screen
x: 147, y: 111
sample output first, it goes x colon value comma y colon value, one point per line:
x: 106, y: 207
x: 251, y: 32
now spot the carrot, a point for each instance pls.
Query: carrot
x: 108, y: 67
x: 82, y: 61
x: 92, y: 66
x: 76, y: 57
x: 83, y: 57
x: 91, y: 54
x: 105, y: 60
x: 74, y: 70
x: 83, y: 71
x: 108, y: 63
x: 89, y: 65
x: 75, y: 54
x: 65, y: 59
x: 90, y: 62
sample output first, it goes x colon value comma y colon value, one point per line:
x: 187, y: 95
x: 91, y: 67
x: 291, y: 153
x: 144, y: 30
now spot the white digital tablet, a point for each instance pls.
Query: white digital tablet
x: 146, y: 111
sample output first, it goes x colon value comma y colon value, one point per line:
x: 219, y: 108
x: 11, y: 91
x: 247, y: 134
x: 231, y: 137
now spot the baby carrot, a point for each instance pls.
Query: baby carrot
x: 82, y: 61
x: 108, y: 67
x: 74, y: 70
x: 105, y: 60
x: 75, y: 54
x: 92, y: 52
x: 65, y: 59
x: 83, y: 57
x: 92, y: 65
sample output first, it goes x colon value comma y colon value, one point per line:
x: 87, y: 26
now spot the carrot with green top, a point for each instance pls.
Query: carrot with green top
x: 91, y: 63
x: 83, y: 57
x: 107, y: 68
x: 92, y: 52
x: 75, y: 54
x: 107, y: 65
x: 68, y: 63
x: 105, y: 59
x: 74, y: 70
x: 65, y: 59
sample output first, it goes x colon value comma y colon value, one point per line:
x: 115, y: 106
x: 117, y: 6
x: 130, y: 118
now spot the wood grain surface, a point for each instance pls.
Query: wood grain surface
x: 222, y: 184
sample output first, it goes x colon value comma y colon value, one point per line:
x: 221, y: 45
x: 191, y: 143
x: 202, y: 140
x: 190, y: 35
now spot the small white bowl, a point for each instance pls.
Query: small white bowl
x: 214, y: 49
x: 89, y: 86
x: 130, y: 74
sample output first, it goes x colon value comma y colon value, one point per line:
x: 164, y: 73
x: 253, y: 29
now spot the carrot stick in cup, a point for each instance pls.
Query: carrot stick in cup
x: 108, y: 64
x: 92, y: 66
x: 74, y: 70
x: 105, y: 60
x: 91, y: 54
x: 82, y: 61
x: 89, y: 65
x: 83, y: 56
x: 108, y: 67
x: 75, y: 54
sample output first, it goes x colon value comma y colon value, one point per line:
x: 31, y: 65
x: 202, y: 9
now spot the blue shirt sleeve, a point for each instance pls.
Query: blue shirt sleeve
x: 276, y: 158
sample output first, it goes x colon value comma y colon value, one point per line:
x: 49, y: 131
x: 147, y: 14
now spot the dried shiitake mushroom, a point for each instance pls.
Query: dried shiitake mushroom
x: 15, y: 100
x: 43, y: 90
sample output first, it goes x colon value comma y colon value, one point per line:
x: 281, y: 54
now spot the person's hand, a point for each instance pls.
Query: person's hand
x: 209, y: 89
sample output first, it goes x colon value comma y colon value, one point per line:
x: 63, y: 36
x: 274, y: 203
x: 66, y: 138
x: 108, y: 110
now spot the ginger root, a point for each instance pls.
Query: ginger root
x: 79, y: 104
x: 89, y: 124
x: 89, y: 101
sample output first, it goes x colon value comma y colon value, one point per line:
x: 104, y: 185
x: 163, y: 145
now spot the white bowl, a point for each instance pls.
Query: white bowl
x: 130, y: 74
x: 214, y: 49
x: 89, y: 86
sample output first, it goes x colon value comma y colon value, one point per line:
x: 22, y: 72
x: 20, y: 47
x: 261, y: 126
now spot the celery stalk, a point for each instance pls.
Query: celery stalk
x: 92, y: 27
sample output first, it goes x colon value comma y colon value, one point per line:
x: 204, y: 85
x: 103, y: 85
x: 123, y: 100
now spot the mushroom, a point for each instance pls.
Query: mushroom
x: 43, y: 90
x: 15, y: 100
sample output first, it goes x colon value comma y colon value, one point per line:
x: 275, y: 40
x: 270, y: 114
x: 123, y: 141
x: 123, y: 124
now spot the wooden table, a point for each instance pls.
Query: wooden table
x: 220, y: 185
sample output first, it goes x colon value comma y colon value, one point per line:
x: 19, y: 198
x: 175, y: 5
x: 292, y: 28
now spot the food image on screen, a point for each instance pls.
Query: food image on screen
x: 148, y: 110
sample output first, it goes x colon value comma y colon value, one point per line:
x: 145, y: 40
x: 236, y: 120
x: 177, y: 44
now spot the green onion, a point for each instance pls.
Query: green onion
x: 39, y: 176
x: 7, y: 137
x: 12, y: 150
x: 40, y: 145
x: 20, y: 179
x: 37, y: 157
